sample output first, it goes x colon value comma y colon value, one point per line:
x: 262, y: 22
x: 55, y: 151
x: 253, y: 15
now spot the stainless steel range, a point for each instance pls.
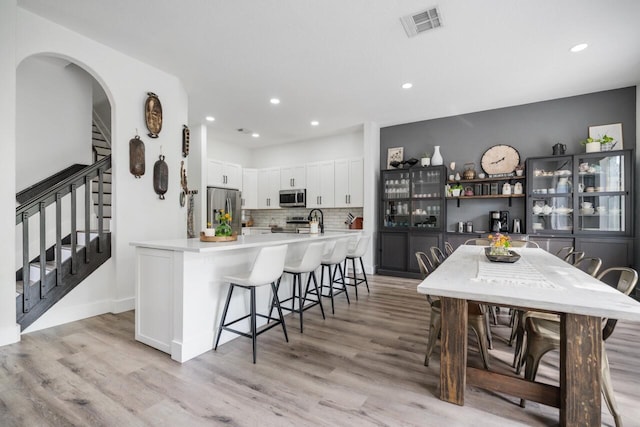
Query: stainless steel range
x: 295, y: 224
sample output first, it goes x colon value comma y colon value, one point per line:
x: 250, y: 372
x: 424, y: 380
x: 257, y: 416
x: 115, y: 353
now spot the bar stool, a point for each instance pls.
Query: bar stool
x: 308, y: 264
x: 267, y: 267
x: 357, y: 252
x: 334, y: 259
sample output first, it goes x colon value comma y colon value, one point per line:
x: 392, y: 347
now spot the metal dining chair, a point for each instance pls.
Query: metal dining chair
x: 448, y: 248
x: 590, y: 265
x: 563, y: 252
x: 574, y: 257
x: 437, y: 255
x: 543, y: 335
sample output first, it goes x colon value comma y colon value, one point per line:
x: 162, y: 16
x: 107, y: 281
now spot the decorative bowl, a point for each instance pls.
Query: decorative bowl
x: 510, y: 257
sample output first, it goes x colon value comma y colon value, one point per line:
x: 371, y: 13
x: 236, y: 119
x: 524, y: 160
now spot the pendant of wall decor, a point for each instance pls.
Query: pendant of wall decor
x: 153, y: 114
x: 136, y: 156
x: 160, y: 177
x: 185, y: 140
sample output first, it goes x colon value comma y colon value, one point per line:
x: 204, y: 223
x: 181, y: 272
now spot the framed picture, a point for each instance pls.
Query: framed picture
x: 613, y: 130
x: 395, y: 154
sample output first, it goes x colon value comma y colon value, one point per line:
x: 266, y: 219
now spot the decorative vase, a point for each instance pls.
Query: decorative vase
x: 224, y: 230
x: 593, y: 147
x: 436, y: 159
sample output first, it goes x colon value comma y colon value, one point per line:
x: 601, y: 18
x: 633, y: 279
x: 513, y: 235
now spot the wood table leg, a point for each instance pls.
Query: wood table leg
x: 580, y: 341
x: 453, y: 350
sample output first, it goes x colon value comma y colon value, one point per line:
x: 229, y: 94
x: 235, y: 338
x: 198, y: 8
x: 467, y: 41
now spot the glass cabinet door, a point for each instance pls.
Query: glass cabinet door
x: 550, y: 195
x: 426, y: 214
x: 602, y: 192
x: 396, y: 198
x: 427, y: 185
x: 396, y: 184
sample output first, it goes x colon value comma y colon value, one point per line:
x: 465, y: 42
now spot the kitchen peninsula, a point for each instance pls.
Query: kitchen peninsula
x: 180, y: 291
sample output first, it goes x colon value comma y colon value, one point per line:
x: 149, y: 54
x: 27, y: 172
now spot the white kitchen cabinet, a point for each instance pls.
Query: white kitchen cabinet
x: 249, y: 188
x: 269, y: 188
x: 349, y: 183
x: 320, y: 184
x: 223, y: 174
x: 292, y: 177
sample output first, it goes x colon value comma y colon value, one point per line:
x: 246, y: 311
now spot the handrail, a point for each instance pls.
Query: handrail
x: 63, y: 188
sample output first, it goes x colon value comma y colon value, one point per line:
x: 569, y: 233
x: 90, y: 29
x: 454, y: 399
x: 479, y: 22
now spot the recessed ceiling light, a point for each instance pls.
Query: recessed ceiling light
x: 579, y: 47
x: 210, y: 118
x: 315, y: 123
x: 407, y: 86
x: 274, y: 101
x: 255, y: 135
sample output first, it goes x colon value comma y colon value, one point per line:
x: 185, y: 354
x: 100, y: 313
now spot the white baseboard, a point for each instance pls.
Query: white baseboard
x: 122, y: 305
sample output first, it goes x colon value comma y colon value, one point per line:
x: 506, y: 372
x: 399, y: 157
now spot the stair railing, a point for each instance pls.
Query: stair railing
x: 38, y: 205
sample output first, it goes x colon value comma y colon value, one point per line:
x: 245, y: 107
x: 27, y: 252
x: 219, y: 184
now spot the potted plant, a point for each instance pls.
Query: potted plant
x: 520, y: 169
x: 593, y: 145
x: 426, y: 159
x: 456, y: 189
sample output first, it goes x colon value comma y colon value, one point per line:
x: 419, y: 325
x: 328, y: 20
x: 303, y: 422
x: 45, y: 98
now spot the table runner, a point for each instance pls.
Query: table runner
x: 519, y: 273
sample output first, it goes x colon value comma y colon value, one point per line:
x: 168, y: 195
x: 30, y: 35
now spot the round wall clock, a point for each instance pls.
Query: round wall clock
x: 500, y: 159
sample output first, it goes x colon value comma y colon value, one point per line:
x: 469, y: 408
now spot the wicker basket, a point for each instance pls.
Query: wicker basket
x: 231, y: 238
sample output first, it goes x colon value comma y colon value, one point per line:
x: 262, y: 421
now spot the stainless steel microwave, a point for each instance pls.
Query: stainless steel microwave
x: 293, y: 198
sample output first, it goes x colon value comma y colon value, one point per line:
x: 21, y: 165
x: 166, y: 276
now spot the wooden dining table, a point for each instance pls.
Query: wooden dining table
x: 537, y: 281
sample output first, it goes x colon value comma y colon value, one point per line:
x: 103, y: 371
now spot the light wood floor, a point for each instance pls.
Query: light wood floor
x: 362, y: 366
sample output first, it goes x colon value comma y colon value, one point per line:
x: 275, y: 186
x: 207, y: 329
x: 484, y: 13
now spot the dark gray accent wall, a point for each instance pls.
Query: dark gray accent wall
x: 531, y: 128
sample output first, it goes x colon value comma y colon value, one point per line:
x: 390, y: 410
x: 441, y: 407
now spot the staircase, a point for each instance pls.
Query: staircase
x: 57, y: 268
x: 101, y: 145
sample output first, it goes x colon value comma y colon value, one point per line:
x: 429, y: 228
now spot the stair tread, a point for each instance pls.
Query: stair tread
x: 48, y: 265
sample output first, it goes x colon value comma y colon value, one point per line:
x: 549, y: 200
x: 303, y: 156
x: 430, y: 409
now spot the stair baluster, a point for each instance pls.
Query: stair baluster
x: 87, y: 223
x: 74, y: 229
x: 100, y: 209
x: 58, y: 239
x: 43, y: 250
x: 26, y: 303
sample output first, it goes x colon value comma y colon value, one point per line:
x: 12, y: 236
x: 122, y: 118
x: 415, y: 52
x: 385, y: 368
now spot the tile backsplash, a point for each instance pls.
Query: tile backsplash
x: 334, y: 218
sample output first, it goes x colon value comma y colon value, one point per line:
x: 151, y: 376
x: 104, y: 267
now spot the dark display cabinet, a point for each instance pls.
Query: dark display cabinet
x: 413, y: 217
x: 584, y: 199
x: 584, y: 194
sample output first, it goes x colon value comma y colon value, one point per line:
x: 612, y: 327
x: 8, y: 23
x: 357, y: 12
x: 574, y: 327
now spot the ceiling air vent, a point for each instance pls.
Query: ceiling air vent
x: 422, y: 21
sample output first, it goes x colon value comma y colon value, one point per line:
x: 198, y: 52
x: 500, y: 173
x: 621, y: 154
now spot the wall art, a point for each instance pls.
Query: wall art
x: 394, y: 155
x: 613, y: 130
x: 160, y: 177
x: 153, y: 114
x: 136, y: 156
x: 186, y: 134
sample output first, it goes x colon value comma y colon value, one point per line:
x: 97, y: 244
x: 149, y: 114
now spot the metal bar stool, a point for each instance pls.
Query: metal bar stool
x: 357, y: 252
x: 267, y: 267
x: 308, y: 264
x: 334, y: 259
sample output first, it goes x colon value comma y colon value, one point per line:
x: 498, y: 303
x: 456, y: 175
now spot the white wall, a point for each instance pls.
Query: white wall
x: 138, y: 213
x: 9, y: 330
x: 340, y: 146
x: 53, y: 123
x: 228, y: 152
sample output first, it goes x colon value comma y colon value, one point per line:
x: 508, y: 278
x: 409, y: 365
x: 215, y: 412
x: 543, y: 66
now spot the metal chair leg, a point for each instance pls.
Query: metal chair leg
x: 253, y: 322
x: 364, y: 274
x: 284, y: 327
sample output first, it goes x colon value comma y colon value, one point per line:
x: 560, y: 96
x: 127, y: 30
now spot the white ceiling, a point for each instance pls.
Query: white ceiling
x: 342, y: 62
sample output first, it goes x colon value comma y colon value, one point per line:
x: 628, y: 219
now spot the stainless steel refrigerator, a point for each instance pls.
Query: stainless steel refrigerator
x: 229, y: 201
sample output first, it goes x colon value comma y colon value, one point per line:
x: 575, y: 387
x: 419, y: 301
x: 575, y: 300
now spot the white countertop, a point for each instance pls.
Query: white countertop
x: 251, y: 241
x: 543, y: 281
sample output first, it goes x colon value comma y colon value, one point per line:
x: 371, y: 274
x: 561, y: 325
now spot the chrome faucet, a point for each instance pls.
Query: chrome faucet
x: 320, y: 222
